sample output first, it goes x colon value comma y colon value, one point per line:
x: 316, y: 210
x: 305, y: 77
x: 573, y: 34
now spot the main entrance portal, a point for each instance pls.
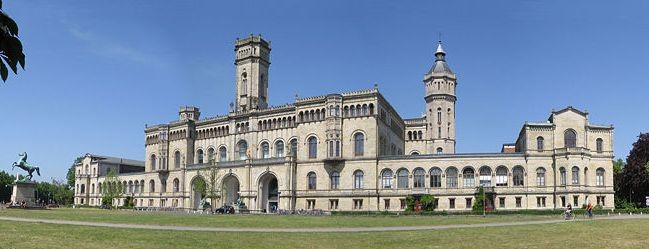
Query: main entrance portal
x: 268, y: 195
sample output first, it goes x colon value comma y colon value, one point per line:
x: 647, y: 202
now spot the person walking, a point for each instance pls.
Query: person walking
x: 589, y: 210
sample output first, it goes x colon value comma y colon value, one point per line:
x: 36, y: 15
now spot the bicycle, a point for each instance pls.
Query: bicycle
x: 568, y: 215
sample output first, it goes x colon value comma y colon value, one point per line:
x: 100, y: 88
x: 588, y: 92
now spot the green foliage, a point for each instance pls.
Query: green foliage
x: 208, y: 184
x: 5, y: 186
x: 128, y: 202
x: 478, y: 204
x: 427, y: 203
x: 11, y: 49
x: 111, y: 188
x: 634, y: 179
x: 410, y: 203
x: 70, y: 176
x: 54, y: 192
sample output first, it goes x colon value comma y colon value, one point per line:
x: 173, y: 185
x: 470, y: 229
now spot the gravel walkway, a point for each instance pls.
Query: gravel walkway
x: 310, y: 230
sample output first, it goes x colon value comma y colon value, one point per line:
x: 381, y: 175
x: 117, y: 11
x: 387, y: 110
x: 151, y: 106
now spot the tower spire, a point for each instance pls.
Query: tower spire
x: 439, y: 53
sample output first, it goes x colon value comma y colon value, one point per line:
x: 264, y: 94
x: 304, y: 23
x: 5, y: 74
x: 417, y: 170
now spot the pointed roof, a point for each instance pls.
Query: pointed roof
x: 440, y: 65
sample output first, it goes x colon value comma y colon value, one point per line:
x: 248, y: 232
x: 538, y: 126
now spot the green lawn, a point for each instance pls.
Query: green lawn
x: 256, y: 221
x: 581, y: 234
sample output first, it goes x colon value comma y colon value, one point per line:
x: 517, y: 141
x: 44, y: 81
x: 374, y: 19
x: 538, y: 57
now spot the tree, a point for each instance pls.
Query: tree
x: 111, y: 188
x: 209, y: 186
x: 478, y: 205
x: 634, y: 182
x: 11, y: 49
x: 5, y: 186
x: 71, y: 176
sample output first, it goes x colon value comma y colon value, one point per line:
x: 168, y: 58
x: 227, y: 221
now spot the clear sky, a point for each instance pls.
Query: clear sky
x: 98, y: 71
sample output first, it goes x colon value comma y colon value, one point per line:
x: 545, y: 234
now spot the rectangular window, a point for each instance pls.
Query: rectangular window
x: 540, y: 201
x: 451, y: 203
x: 386, y: 203
x: 331, y: 148
x: 468, y: 202
x: 337, y: 148
x: 333, y: 204
x: 163, y: 203
x: 501, y: 201
x: 150, y: 202
x: 575, y: 201
x: 563, y: 201
x: 519, y: 202
x: 402, y: 203
x: 310, y: 204
x: 358, y: 204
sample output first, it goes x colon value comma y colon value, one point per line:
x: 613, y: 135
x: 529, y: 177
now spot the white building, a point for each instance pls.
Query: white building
x: 353, y: 151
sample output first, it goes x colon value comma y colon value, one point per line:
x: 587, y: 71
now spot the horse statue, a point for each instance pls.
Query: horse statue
x: 26, y: 166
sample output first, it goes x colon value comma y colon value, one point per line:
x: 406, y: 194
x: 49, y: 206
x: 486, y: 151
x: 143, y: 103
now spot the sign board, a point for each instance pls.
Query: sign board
x: 646, y: 200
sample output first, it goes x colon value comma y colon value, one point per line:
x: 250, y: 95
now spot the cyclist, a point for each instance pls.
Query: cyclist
x: 568, y: 213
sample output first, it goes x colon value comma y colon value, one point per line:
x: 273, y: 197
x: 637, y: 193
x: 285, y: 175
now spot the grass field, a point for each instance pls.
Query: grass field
x: 256, y: 221
x: 578, y: 234
x: 583, y: 234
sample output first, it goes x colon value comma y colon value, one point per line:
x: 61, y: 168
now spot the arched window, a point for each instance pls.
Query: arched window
x: 92, y: 188
x: 153, y: 161
x: 83, y: 188
x: 176, y: 185
x: 279, y: 149
x: 539, y: 143
x: 365, y: 110
x: 335, y: 180
x: 435, y: 177
x: 359, y: 144
x: 414, y: 153
x: 177, y: 159
x: 575, y: 175
x: 210, y: 155
x: 243, y: 150
x: 562, y: 176
x: 265, y: 150
x: 501, y: 176
x: 402, y: 178
x: 312, y: 180
x: 570, y: 138
x: 599, y: 177
x: 386, y: 178
x: 371, y: 109
x: 439, y: 115
x: 440, y: 150
x: 199, y: 154
x: 518, y: 174
x: 244, y: 84
x: 451, y: 177
x: 151, y: 186
x: 419, y: 176
x: 540, y: 177
x: 485, y: 176
x: 223, y: 154
x: 409, y: 135
x: 346, y: 111
x: 358, y: 179
x: 294, y: 148
x: 469, y: 177
x: 313, y: 147
x: 352, y: 111
x: 600, y: 145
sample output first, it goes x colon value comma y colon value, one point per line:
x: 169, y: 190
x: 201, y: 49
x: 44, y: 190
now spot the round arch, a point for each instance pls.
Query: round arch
x: 268, y: 192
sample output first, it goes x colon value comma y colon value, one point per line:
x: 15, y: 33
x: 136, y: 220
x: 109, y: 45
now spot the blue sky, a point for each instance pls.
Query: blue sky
x: 98, y: 71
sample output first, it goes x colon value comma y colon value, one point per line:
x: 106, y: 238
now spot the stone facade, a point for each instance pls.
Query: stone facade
x: 353, y: 151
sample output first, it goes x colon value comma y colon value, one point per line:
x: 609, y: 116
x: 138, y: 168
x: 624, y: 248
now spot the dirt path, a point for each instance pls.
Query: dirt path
x: 310, y: 230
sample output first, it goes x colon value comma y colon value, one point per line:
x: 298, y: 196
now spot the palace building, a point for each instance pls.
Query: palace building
x: 352, y: 151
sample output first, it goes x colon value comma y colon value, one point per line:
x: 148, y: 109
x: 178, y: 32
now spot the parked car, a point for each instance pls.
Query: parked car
x: 104, y: 206
x: 225, y: 209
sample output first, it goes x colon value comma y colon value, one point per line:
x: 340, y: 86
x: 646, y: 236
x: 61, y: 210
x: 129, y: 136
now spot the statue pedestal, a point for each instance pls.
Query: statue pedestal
x: 24, y: 191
